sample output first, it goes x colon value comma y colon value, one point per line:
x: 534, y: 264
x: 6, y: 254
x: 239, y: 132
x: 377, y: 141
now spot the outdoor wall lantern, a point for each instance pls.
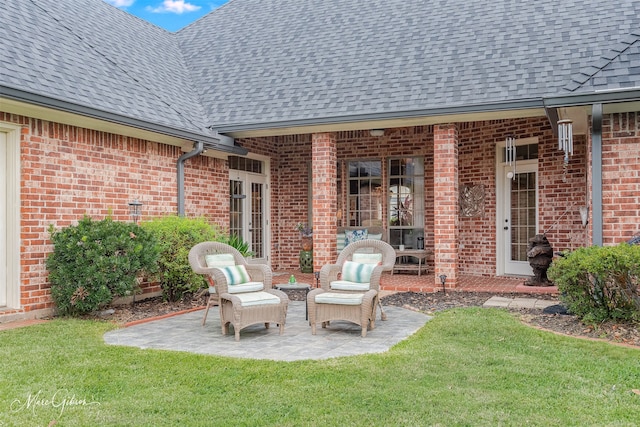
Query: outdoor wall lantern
x: 443, y: 279
x: 510, y: 155
x: 376, y: 132
x: 135, y: 210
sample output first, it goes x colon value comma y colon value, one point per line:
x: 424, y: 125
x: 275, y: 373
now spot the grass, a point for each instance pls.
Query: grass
x: 467, y: 367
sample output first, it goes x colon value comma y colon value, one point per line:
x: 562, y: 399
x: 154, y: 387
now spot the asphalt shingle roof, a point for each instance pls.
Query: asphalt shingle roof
x: 255, y: 62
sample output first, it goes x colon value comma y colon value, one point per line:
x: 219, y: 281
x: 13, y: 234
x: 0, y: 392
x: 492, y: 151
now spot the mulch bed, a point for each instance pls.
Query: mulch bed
x: 554, y: 318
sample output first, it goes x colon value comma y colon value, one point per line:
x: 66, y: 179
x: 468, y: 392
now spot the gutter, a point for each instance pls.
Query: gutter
x: 371, y: 117
x: 198, y: 148
x: 596, y: 172
x: 215, y: 142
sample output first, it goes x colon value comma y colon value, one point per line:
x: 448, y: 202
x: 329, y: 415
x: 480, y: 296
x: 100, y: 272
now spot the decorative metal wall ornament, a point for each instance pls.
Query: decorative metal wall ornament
x: 510, y: 153
x: 472, y: 200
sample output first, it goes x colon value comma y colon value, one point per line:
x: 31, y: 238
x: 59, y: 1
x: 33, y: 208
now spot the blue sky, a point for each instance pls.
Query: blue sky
x: 169, y: 14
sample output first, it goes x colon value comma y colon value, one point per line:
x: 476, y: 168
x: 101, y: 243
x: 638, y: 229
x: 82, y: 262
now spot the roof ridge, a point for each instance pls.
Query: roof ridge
x: 124, y: 70
x: 579, y: 79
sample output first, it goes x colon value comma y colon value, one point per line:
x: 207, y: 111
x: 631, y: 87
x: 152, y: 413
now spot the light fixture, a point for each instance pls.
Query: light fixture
x: 565, y: 138
x: 376, y: 132
x: 135, y: 210
x: 584, y: 215
x: 510, y: 155
x: 443, y: 279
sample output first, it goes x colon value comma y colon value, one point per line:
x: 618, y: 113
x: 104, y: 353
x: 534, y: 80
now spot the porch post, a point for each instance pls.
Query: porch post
x: 324, y: 180
x: 445, y: 195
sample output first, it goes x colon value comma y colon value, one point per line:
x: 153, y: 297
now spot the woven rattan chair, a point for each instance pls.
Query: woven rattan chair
x: 244, y: 304
x: 356, y: 302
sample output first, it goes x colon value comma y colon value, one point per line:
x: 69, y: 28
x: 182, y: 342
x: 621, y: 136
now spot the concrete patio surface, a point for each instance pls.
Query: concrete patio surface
x: 184, y: 332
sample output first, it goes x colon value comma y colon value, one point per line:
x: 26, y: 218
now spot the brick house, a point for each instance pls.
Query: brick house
x: 266, y: 113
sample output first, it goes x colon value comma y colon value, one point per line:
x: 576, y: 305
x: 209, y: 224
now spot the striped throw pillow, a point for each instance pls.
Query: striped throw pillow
x: 235, y: 274
x: 357, y: 272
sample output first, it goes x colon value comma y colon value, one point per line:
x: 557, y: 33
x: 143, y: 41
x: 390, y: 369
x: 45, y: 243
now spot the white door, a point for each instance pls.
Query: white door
x: 248, y: 211
x: 517, y: 216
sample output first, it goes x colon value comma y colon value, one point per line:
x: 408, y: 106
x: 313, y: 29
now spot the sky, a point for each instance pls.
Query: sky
x: 171, y: 15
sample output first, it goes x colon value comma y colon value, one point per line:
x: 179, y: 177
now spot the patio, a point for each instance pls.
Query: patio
x: 184, y: 332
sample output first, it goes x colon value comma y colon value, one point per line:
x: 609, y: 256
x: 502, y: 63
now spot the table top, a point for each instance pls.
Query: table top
x: 411, y: 252
x: 296, y: 285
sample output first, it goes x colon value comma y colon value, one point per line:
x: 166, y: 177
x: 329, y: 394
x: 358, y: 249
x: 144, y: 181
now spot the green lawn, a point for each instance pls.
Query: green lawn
x: 467, y: 367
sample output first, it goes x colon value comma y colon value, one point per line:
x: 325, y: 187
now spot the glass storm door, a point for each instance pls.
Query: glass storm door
x: 520, y: 209
x: 247, y: 211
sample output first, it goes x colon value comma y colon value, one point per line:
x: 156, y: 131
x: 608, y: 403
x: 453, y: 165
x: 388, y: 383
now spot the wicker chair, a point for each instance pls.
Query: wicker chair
x: 354, y: 302
x: 243, y: 304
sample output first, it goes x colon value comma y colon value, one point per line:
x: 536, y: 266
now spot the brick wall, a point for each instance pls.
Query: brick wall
x: 68, y: 172
x: 620, y: 177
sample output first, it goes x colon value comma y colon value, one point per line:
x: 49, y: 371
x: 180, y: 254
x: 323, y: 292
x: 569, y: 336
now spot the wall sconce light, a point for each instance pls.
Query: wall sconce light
x: 135, y: 210
x: 584, y: 215
x: 443, y: 279
x: 565, y: 138
x: 510, y: 155
x: 376, y: 132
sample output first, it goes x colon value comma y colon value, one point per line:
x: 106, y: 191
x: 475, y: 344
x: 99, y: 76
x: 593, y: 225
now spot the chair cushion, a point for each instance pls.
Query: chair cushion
x: 374, y: 236
x: 367, y: 258
x: 246, y: 287
x: 344, y: 285
x: 341, y: 299
x: 235, y: 274
x: 355, y: 235
x: 357, y: 272
x: 219, y: 260
x: 249, y: 299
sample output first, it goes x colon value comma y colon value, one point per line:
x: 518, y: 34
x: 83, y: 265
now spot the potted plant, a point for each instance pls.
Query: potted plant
x: 306, y: 233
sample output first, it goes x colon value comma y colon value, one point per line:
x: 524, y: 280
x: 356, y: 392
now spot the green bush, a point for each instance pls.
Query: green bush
x: 600, y: 283
x: 95, y: 261
x: 176, y: 236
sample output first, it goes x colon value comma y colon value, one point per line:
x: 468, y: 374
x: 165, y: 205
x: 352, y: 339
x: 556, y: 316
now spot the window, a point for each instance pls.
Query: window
x: 364, y: 194
x: 406, y: 201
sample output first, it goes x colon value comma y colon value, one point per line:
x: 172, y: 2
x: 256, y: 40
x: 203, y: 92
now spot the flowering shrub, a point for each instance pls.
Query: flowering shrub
x: 95, y: 261
x: 304, y: 229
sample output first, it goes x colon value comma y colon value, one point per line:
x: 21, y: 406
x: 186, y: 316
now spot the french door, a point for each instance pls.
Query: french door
x: 517, y: 216
x: 248, y: 211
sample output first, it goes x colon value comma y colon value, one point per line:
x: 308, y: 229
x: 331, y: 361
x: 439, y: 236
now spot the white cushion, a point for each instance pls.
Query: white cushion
x: 336, y: 298
x: 375, y: 236
x: 246, y: 287
x: 219, y: 260
x: 344, y: 285
x: 257, y: 298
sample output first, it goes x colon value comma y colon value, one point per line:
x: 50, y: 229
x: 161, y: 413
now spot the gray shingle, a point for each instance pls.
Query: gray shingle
x: 262, y: 61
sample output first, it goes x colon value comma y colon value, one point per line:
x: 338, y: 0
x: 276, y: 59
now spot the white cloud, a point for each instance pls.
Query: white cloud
x: 173, y: 6
x: 120, y: 3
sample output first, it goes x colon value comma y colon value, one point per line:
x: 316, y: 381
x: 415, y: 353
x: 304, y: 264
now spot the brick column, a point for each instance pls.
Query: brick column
x: 445, y: 195
x: 324, y: 180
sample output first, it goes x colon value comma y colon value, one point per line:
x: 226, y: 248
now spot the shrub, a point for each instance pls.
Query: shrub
x: 600, y: 283
x: 95, y: 261
x: 177, y: 235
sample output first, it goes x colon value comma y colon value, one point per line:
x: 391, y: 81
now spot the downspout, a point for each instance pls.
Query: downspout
x: 198, y: 148
x: 596, y: 169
